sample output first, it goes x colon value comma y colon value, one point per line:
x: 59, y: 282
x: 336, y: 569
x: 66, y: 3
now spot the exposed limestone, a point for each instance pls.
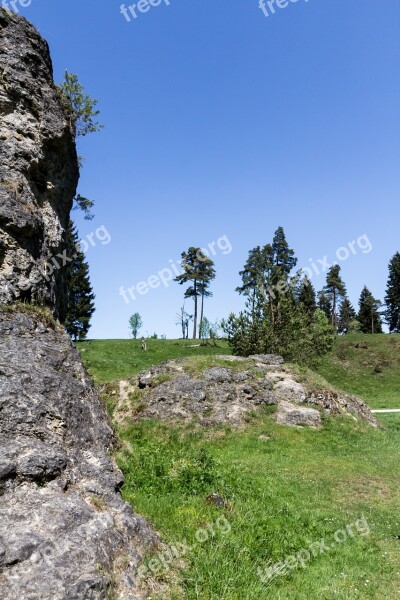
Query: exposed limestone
x: 297, y: 416
x: 229, y: 394
x: 38, y: 169
x: 64, y: 530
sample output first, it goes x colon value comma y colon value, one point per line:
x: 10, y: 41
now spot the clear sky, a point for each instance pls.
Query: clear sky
x: 221, y: 124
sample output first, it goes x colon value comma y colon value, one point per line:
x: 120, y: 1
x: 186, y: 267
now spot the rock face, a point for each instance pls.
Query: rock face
x: 65, y: 532
x: 228, y: 392
x: 38, y: 169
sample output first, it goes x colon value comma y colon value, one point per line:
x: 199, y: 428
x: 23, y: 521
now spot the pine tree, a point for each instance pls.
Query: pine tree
x: 306, y: 296
x: 252, y: 274
x: 335, y: 292
x: 207, y: 275
x: 368, y: 315
x: 392, y: 298
x: 274, y: 320
x: 284, y: 257
x: 198, y: 269
x: 79, y: 107
x: 347, y: 315
x: 80, y: 297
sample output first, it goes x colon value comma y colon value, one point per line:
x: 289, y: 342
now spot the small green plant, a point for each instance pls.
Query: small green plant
x: 79, y: 107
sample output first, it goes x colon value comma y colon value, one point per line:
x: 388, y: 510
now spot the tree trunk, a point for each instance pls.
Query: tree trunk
x: 195, y: 311
x: 334, y: 312
x: 201, y: 316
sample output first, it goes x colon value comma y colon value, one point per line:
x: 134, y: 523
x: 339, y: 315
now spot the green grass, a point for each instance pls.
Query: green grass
x: 368, y: 366
x: 296, y: 489
x: 111, y: 360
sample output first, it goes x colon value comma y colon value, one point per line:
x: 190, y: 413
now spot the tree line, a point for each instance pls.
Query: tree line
x: 284, y: 314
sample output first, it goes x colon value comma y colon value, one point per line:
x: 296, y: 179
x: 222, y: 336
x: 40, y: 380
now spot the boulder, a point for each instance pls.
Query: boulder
x: 297, y: 416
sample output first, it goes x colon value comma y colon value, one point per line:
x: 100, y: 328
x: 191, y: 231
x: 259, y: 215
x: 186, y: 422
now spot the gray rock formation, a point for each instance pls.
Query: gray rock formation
x: 38, y: 169
x: 65, y: 532
x: 229, y: 394
x: 219, y: 395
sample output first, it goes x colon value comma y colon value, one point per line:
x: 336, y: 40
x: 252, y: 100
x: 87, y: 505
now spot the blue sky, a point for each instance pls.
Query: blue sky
x: 220, y: 121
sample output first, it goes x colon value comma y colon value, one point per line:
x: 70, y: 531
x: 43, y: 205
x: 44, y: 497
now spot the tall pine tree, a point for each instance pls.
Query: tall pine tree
x: 283, y: 257
x: 207, y: 275
x: 335, y: 292
x: 80, y: 297
x: 199, y: 270
x: 368, y: 315
x: 392, y: 298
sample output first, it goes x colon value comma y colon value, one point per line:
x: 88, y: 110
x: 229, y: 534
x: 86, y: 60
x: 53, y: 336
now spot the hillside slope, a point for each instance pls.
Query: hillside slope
x: 368, y: 366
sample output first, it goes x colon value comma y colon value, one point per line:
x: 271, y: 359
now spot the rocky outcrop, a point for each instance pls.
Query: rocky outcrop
x: 38, y: 169
x: 228, y: 392
x: 65, y: 532
x: 217, y: 395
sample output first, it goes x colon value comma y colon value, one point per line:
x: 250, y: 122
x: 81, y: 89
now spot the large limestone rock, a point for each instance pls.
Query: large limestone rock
x: 65, y: 532
x: 38, y: 169
x: 228, y: 393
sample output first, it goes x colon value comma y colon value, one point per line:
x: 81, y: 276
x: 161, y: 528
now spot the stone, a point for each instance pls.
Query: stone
x: 63, y: 524
x: 296, y: 416
x: 267, y: 359
x: 218, y: 375
x: 336, y: 403
x: 38, y: 169
x: 218, y: 395
x: 218, y: 501
x: 290, y: 390
x: 65, y: 531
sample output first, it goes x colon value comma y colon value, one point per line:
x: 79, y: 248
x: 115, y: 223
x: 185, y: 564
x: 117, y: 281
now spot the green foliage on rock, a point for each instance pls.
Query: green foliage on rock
x: 79, y: 107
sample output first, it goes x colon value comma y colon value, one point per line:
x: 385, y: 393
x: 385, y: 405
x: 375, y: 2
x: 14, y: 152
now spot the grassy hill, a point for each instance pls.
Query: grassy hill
x: 367, y: 366
x: 286, y: 492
